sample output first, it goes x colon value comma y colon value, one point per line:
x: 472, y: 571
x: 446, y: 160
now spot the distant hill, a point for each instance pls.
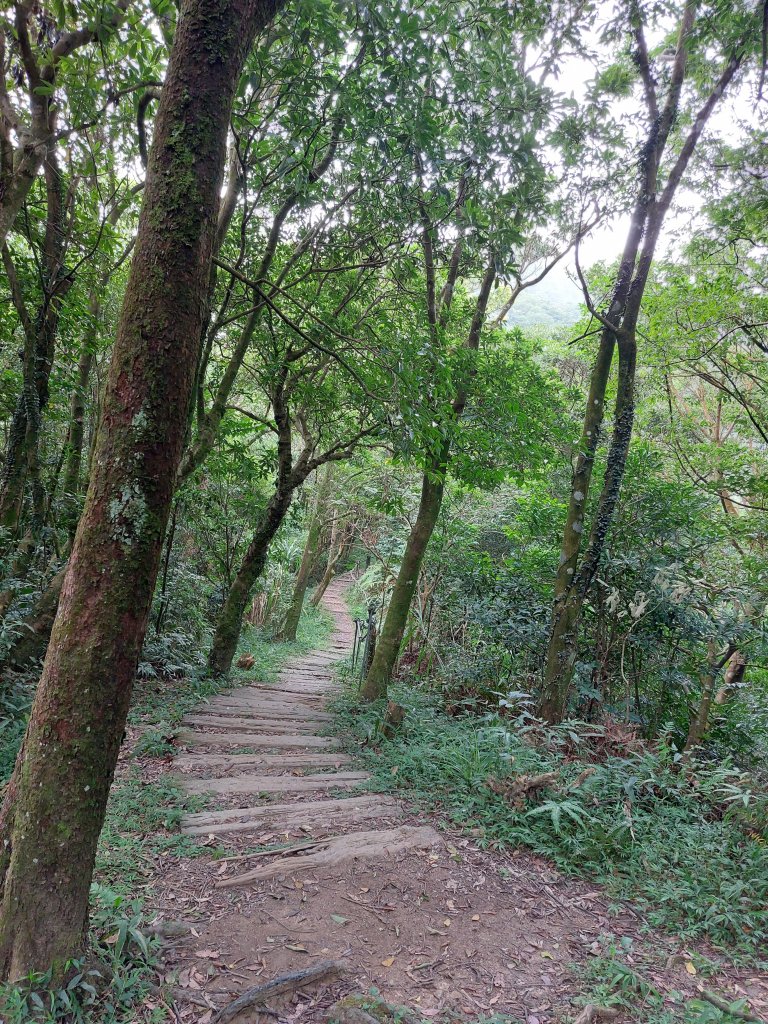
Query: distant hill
x: 555, y: 302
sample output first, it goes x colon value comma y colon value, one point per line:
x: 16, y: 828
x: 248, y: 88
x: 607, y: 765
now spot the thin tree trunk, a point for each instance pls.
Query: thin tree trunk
x: 563, y: 641
x: 432, y: 489
x: 75, y: 438
x: 230, y: 620
x: 22, y: 465
x: 56, y: 800
x: 700, y: 721
x: 34, y: 633
x: 308, y: 557
x: 338, y: 545
x: 620, y: 328
x: 391, y: 636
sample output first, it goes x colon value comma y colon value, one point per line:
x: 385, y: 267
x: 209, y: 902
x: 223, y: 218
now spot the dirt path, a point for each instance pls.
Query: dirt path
x: 426, y: 917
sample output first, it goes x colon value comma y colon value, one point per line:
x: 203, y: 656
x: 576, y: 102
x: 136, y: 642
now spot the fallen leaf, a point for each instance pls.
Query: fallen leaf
x: 475, y: 917
x: 447, y: 922
x: 339, y: 919
x: 296, y: 947
x: 208, y: 954
x: 689, y: 967
x: 388, y: 962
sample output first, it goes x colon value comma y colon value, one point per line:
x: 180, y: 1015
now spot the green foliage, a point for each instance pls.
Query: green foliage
x: 670, y: 838
x: 111, y: 985
x: 617, y: 977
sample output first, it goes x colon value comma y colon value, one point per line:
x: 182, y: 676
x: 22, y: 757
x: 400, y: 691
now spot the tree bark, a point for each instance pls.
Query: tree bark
x: 56, y: 800
x: 339, y: 544
x: 308, y: 558
x: 230, y: 621
x: 73, y: 459
x: 432, y: 489
x: 700, y: 721
x: 34, y: 633
x: 388, y: 645
x: 620, y: 329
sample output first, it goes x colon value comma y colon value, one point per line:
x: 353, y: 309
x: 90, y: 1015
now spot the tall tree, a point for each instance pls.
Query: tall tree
x: 666, y: 105
x: 28, y: 139
x: 65, y: 767
x: 475, y: 201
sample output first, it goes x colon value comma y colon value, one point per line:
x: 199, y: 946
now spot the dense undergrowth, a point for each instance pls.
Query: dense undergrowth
x: 683, y: 840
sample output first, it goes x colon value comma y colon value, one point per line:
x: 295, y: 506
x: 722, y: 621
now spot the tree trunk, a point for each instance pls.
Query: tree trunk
x: 432, y: 486
x: 339, y: 544
x: 700, y: 721
x: 35, y: 631
x: 620, y: 328
x: 391, y: 636
x: 56, y: 800
x: 308, y: 558
x: 230, y: 621
x: 75, y: 439
x: 563, y: 641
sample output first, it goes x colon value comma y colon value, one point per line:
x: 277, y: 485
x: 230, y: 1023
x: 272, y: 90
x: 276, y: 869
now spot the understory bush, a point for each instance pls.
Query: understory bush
x: 114, y: 983
x: 684, y: 839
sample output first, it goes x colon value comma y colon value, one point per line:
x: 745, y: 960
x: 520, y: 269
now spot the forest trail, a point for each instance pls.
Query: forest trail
x: 282, y: 751
x: 405, y: 904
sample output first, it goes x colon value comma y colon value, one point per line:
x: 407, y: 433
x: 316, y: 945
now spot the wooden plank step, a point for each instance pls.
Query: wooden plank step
x: 273, y: 690
x: 274, y: 783
x: 312, y: 670
x: 331, y: 851
x: 310, y: 698
x: 305, y: 813
x: 251, y: 724
x: 274, y: 741
x: 277, y: 761
x: 268, y: 710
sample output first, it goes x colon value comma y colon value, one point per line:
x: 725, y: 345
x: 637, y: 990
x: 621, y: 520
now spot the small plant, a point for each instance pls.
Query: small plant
x: 681, y: 841
x: 112, y: 984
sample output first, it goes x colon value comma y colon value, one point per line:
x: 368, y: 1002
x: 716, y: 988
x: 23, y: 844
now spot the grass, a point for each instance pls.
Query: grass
x: 681, y: 844
x: 113, y: 985
x: 619, y: 978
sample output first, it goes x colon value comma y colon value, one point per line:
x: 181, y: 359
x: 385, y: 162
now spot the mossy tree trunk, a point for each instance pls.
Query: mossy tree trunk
x: 56, y: 800
x: 380, y: 672
x: 308, y: 557
x: 574, y: 577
